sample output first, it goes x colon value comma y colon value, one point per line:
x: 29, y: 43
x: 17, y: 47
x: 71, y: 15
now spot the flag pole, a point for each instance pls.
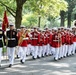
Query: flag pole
x: 4, y: 26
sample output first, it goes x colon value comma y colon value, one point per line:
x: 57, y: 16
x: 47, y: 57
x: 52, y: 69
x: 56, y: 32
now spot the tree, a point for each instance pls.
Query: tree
x: 40, y: 8
x: 46, y: 8
x: 17, y: 12
x: 62, y: 15
x: 70, y: 14
x: 71, y: 5
x: 74, y: 12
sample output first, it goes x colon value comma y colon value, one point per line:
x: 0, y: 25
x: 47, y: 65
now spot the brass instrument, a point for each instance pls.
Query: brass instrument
x: 22, y: 37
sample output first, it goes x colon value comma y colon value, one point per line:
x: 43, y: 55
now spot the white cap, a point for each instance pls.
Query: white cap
x: 55, y: 28
x: 50, y: 29
x: 70, y: 29
x: 22, y: 26
x: 11, y: 25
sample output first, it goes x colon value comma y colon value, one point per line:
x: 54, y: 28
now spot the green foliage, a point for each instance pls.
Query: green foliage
x: 53, y: 22
x: 71, y: 10
x: 34, y: 8
x: 46, y: 7
x: 29, y: 20
x: 74, y: 10
x: 11, y: 4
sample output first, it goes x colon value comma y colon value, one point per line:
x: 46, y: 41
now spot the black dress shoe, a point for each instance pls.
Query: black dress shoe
x: 50, y: 54
x: 75, y: 51
x: 42, y: 56
x: 64, y: 56
x: 55, y: 59
x: 68, y: 55
x: 72, y: 54
x: 27, y: 55
x: 38, y: 57
x: 18, y: 57
x: 33, y: 58
x: 46, y: 55
x: 21, y: 61
x: 59, y: 58
x: 10, y: 65
x: 30, y: 53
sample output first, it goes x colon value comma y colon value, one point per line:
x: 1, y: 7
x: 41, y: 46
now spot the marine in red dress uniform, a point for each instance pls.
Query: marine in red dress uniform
x: 74, y: 39
x: 47, y: 35
x: 22, y: 43
x: 63, y: 41
x: 56, y: 44
x: 41, y: 43
x: 35, y: 39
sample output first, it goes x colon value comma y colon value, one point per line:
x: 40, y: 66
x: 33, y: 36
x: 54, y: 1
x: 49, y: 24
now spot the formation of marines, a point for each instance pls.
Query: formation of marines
x: 58, y: 42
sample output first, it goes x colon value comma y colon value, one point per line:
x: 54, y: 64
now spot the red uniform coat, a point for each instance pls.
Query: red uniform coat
x: 24, y: 42
x: 56, y: 40
x: 74, y: 38
x: 63, y: 37
x: 35, y: 39
x: 41, y: 43
x: 47, y: 37
x: 69, y: 39
x: 50, y: 38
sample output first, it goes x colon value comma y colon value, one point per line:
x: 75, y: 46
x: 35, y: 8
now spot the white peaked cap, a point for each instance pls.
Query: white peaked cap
x: 22, y: 26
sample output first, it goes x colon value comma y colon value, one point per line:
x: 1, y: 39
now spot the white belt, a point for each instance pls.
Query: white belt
x: 56, y: 40
x: 34, y: 38
x: 25, y: 38
x: 0, y: 38
x: 11, y: 39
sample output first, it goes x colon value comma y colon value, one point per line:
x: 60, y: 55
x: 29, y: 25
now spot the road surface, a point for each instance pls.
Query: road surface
x: 43, y: 66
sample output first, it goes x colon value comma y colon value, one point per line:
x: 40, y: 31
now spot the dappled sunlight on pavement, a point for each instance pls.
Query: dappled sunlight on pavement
x: 43, y: 66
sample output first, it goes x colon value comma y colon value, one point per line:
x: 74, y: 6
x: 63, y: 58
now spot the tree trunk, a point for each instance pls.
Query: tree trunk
x: 62, y: 13
x: 39, y: 21
x: 69, y: 19
x: 18, y: 17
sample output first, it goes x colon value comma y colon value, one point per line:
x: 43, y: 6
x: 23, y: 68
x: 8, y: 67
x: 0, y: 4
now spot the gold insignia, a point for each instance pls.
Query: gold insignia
x: 0, y: 32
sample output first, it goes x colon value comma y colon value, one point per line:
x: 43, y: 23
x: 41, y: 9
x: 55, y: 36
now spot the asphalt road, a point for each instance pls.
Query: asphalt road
x: 43, y: 66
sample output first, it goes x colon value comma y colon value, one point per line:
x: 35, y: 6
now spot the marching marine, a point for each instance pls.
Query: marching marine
x: 12, y: 43
x: 2, y: 36
x: 22, y: 43
x: 35, y: 39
